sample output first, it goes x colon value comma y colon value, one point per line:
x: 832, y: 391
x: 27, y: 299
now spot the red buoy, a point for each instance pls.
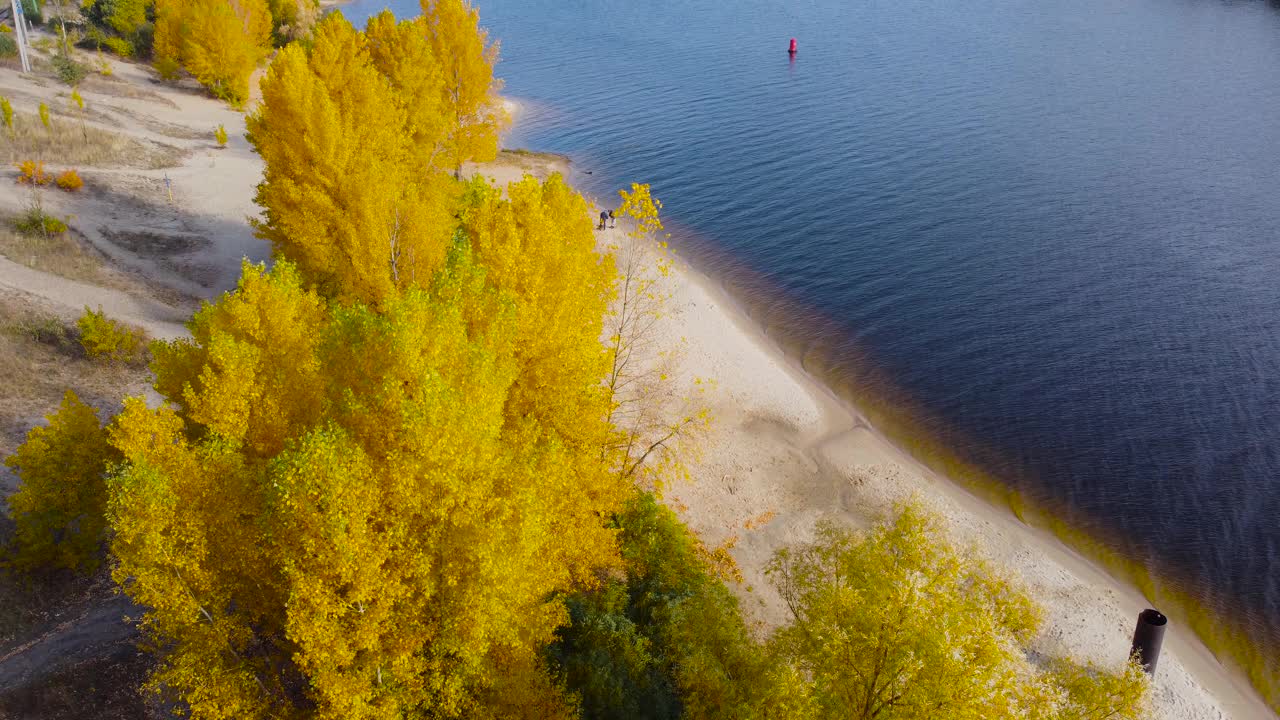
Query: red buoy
x: 793, y: 46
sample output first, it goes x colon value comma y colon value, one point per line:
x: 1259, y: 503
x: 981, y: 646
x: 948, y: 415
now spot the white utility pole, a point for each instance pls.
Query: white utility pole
x: 20, y: 31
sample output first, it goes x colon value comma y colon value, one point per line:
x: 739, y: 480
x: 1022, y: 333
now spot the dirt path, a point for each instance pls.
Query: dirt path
x: 97, y: 629
x: 159, y: 320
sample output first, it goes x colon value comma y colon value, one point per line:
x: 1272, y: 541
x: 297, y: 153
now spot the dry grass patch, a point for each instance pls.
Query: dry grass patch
x: 116, y: 87
x: 64, y: 254
x: 175, y: 131
x: 70, y: 143
x: 533, y: 161
x: 43, y: 358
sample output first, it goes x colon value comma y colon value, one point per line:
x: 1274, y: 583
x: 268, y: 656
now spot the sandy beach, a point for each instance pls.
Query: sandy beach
x: 782, y: 450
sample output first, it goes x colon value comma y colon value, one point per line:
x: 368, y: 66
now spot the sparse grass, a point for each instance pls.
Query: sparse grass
x: 107, y: 84
x: 61, y: 254
x: 523, y: 158
x: 70, y: 144
x: 42, y: 358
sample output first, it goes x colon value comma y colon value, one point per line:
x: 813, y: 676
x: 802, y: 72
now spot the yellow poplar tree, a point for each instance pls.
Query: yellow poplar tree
x: 538, y: 244
x: 58, y: 509
x: 342, y: 196
x: 339, y: 516
x: 402, y: 52
x: 469, y: 91
x: 220, y: 42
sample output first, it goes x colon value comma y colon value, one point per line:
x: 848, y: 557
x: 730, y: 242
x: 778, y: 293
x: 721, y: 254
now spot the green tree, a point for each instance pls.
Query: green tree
x: 667, y: 640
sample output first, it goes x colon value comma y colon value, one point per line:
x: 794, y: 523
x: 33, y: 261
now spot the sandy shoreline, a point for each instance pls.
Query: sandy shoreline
x: 784, y: 450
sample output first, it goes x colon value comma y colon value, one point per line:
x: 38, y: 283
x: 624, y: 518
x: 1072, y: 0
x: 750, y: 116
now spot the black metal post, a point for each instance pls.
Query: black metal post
x: 1148, y: 636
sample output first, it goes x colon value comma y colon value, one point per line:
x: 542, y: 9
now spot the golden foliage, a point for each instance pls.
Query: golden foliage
x: 537, y: 243
x: 70, y: 181
x: 361, y: 509
x: 342, y: 198
x: 472, y: 109
x: 220, y: 42
x: 32, y: 172
x: 402, y: 52
x: 220, y: 135
x: 58, y: 511
x: 1084, y: 691
x: 887, y: 625
x: 128, y: 17
x: 109, y: 340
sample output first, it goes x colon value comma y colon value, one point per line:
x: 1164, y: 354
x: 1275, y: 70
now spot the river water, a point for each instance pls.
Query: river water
x: 1042, y: 235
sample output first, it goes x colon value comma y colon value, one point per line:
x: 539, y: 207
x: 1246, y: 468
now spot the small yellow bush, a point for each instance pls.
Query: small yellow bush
x: 220, y: 135
x: 109, y: 340
x: 32, y: 172
x: 70, y: 181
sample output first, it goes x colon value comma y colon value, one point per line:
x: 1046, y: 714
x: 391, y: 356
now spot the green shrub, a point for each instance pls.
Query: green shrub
x: 38, y: 222
x: 669, y: 640
x: 69, y: 71
x: 8, y: 46
x: 47, y: 330
x: 109, y: 340
x: 94, y: 38
x: 31, y: 8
